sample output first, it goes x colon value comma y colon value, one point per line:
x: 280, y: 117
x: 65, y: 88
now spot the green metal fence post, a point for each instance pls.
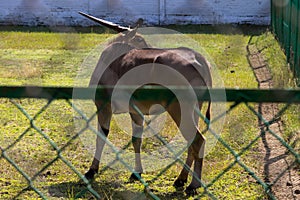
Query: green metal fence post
x: 285, y: 19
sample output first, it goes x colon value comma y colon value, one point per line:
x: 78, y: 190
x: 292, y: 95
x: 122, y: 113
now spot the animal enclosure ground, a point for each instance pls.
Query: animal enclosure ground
x: 51, y: 58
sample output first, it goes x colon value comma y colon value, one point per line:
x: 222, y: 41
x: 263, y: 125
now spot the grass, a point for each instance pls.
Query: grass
x: 45, y: 57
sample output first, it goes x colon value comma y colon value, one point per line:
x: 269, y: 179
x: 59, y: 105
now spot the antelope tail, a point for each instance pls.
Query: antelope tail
x: 208, y: 113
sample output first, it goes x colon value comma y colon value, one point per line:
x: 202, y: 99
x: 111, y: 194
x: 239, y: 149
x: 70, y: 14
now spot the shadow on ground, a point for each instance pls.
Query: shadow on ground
x: 106, y: 191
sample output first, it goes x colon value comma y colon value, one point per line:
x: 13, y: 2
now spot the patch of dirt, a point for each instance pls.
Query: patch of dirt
x: 274, y: 157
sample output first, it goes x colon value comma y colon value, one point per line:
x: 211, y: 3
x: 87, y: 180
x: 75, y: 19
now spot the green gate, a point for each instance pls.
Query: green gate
x: 18, y: 97
x: 286, y: 27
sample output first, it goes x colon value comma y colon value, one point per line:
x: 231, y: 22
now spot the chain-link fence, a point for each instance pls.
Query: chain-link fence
x: 33, y: 123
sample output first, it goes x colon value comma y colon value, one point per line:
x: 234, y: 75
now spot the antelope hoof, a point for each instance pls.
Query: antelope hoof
x: 179, y: 183
x: 90, y: 174
x: 191, y: 191
x: 134, y: 177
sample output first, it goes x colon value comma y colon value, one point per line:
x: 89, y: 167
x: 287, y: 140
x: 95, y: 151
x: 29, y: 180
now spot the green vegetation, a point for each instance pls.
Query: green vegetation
x: 44, y: 58
x: 37, y: 56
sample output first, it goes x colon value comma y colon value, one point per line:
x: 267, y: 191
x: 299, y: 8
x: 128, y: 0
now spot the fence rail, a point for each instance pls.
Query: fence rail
x: 232, y: 95
x: 285, y: 23
x: 237, y: 96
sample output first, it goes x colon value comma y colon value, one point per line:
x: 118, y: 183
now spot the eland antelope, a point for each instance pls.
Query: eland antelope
x: 128, y: 52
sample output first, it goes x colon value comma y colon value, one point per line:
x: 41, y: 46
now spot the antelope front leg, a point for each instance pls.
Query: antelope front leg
x: 104, y: 117
x: 100, y: 142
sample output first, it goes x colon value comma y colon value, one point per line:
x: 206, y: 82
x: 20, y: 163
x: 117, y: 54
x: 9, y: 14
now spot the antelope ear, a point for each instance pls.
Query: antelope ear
x: 139, y: 23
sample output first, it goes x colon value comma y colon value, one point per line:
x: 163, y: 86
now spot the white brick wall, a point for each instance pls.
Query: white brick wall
x: 64, y: 12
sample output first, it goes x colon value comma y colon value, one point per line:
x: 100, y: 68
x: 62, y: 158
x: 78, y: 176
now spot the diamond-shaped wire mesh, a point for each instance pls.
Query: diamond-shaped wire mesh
x: 36, y: 151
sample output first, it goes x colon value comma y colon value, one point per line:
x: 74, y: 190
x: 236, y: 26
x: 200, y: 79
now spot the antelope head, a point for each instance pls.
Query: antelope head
x: 126, y: 34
